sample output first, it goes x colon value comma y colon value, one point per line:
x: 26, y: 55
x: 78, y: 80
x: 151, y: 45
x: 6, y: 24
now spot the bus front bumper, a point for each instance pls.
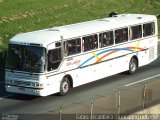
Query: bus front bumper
x: 27, y: 90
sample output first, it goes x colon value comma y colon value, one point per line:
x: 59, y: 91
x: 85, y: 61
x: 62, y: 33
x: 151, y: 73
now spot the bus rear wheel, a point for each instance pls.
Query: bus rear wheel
x: 64, y: 86
x: 132, y: 66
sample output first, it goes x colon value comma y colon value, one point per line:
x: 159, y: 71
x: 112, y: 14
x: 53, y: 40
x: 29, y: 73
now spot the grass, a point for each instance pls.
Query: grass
x: 18, y: 16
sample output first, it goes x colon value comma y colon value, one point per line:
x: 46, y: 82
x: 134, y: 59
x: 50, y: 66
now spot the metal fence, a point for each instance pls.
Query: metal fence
x: 124, y: 100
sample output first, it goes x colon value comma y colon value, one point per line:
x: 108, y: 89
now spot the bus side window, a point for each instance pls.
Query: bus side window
x: 106, y: 39
x: 148, y: 29
x: 121, y: 35
x: 135, y: 32
x: 72, y: 47
x: 90, y: 42
x: 54, y: 59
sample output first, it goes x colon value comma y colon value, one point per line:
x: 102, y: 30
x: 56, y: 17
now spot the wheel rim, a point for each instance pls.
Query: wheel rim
x: 65, y: 86
x: 133, y: 66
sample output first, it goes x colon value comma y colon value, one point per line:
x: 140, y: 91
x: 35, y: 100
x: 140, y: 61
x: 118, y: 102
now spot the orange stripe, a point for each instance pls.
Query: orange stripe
x: 100, y: 59
x: 135, y: 47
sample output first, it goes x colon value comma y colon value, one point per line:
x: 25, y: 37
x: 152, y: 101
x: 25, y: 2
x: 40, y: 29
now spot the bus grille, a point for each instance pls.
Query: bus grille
x: 21, y: 83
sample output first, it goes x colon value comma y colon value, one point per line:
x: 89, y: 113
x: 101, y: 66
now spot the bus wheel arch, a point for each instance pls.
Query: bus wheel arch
x: 133, y: 64
x: 65, y: 85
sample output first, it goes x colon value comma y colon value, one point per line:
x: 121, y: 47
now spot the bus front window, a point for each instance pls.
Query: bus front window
x: 26, y: 58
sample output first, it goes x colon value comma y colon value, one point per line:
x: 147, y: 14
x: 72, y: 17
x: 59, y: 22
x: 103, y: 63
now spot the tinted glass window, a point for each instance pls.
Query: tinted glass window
x: 90, y: 42
x: 135, y: 32
x: 54, y: 58
x: 26, y: 58
x: 72, y: 47
x: 148, y: 29
x: 106, y: 39
x: 121, y: 35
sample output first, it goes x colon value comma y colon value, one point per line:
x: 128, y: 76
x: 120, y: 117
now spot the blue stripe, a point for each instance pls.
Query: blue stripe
x: 126, y: 49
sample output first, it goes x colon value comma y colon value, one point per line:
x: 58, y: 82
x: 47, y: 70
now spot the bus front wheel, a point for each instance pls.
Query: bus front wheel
x: 132, y: 66
x: 64, y: 86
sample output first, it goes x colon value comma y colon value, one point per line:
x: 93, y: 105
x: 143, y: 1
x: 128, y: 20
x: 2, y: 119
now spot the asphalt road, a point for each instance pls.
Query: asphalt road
x: 25, y: 104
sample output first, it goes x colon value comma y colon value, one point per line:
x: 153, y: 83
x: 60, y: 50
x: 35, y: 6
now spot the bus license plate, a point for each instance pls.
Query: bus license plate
x: 22, y: 88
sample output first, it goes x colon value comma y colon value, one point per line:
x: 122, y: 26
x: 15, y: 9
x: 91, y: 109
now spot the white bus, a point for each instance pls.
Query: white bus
x: 56, y: 59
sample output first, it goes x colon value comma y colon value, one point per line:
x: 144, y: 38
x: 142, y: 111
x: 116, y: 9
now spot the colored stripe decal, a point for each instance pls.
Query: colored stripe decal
x: 111, y: 51
x: 96, y: 56
x: 137, y: 46
x: 100, y: 59
x: 86, y: 61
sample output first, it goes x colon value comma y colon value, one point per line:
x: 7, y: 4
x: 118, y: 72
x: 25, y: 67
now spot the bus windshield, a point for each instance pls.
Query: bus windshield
x: 26, y: 58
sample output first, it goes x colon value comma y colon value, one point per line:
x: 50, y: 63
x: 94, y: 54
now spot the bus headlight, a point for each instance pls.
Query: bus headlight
x: 38, y: 85
x: 33, y: 84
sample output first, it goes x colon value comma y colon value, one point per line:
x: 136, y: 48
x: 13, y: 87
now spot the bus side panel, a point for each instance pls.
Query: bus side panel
x: 96, y: 65
x: 150, y: 53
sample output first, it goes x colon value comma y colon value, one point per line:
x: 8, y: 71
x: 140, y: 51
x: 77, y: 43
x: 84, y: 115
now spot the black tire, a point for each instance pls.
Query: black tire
x: 64, y: 87
x: 133, y: 64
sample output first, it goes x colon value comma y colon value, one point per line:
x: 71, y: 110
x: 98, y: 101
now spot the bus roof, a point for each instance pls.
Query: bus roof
x: 48, y: 36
